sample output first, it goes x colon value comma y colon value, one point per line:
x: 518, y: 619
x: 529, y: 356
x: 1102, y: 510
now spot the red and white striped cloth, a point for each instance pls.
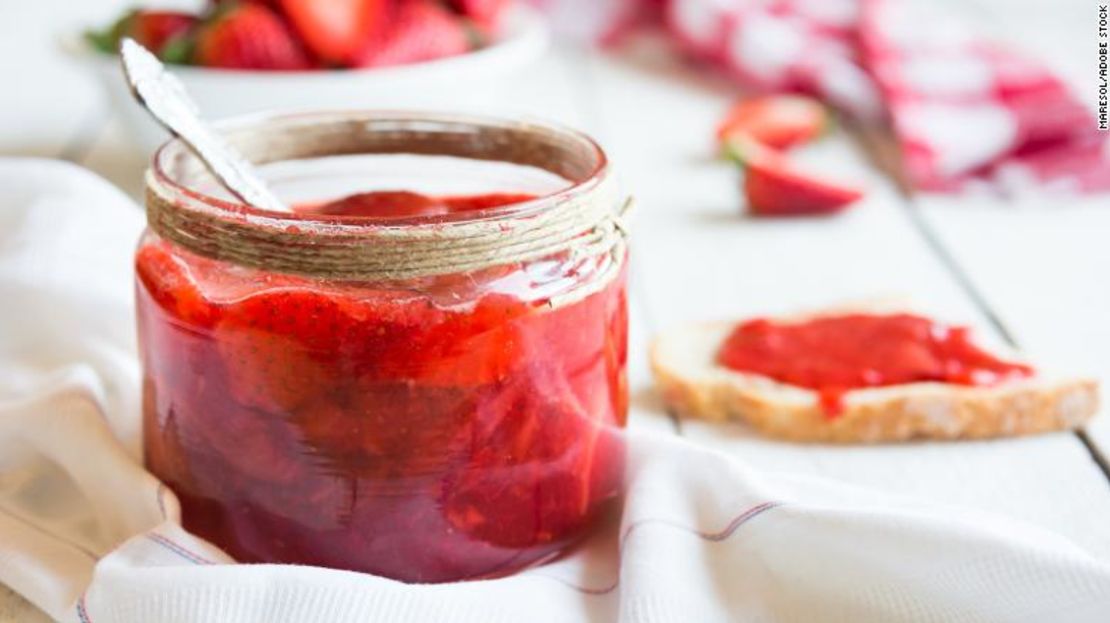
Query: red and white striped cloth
x: 966, y: 110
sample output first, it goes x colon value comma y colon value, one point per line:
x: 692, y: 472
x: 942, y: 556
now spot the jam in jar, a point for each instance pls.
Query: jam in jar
x: 427, y: 394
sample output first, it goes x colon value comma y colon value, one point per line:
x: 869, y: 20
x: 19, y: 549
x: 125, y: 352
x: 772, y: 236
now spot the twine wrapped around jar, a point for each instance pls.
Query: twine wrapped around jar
x: 585, y: 220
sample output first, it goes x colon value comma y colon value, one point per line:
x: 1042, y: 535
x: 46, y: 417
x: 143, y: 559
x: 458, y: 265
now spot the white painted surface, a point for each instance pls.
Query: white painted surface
x: 1044, y: 270
x: 701, y: 260
x: 1043, y: 264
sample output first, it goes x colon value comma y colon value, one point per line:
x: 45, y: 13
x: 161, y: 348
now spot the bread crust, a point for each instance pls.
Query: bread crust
x: 887, y: 414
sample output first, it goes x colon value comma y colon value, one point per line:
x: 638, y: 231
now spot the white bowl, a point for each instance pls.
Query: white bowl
x: 467, y: 82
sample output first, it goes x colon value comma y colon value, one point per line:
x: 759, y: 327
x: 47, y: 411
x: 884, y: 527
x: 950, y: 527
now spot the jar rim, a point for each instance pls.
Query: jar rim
x: 583, y: 219
x: 175, y: 148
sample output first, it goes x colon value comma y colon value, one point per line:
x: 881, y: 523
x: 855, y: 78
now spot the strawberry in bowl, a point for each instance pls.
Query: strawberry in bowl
x: 283, y: 35
x: 249, y: 36
x: 243, y: 56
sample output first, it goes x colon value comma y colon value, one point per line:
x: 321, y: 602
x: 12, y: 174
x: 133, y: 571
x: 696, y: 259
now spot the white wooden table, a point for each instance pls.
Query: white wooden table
x: 1037, y: 274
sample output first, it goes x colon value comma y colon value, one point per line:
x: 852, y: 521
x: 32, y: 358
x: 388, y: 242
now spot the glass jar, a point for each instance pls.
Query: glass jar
x: 430, y: 398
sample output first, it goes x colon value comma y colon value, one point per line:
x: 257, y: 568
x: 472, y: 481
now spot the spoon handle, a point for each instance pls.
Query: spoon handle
x: 165, y: 98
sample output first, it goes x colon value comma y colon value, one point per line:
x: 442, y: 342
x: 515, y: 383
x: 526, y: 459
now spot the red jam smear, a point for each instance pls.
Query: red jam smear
x: 405, y: 203
x: 835, y: 354
x: 340, y: 425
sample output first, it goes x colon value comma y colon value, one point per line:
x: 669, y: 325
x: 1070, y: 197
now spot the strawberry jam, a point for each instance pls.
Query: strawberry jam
x: 443, y: 428
x: 835, y: 354
x: 404, y: 203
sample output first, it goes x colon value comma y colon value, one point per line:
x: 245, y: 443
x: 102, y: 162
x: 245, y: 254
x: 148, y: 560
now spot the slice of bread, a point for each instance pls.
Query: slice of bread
x: 694, y: 386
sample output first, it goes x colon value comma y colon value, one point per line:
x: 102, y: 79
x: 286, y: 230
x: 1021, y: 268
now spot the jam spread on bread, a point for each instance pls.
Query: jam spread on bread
x: 835, y: 354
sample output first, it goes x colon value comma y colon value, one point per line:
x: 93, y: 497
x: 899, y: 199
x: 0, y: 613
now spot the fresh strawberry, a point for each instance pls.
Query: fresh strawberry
x: 280, y: 349
x: 336, y: 30
x: 485, y: 13
x: 774, y: 187
x: 778, y: 121
x: 157, y: 31
x: 248, y: 36
x: 421, y: 30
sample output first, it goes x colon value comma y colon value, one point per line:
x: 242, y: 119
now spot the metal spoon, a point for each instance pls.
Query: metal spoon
x: 165, y: 98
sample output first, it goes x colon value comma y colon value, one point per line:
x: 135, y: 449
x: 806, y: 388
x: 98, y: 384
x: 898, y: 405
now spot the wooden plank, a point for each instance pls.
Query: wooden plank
x: 1047, y: 262
x: 16, y: 609
x: 699, y: 259
x: 1045, y: 272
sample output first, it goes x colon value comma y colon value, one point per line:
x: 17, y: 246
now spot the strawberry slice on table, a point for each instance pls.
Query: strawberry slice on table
x: 778, y: 121
x: 161, y: 32
x: 336, y: 30
x: 248, y: 36
x: 420, y: 30
x: 775, y: 187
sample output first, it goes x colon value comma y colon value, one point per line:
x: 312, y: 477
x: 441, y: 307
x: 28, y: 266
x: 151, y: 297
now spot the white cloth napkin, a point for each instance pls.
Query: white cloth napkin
x: 87, y: 535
